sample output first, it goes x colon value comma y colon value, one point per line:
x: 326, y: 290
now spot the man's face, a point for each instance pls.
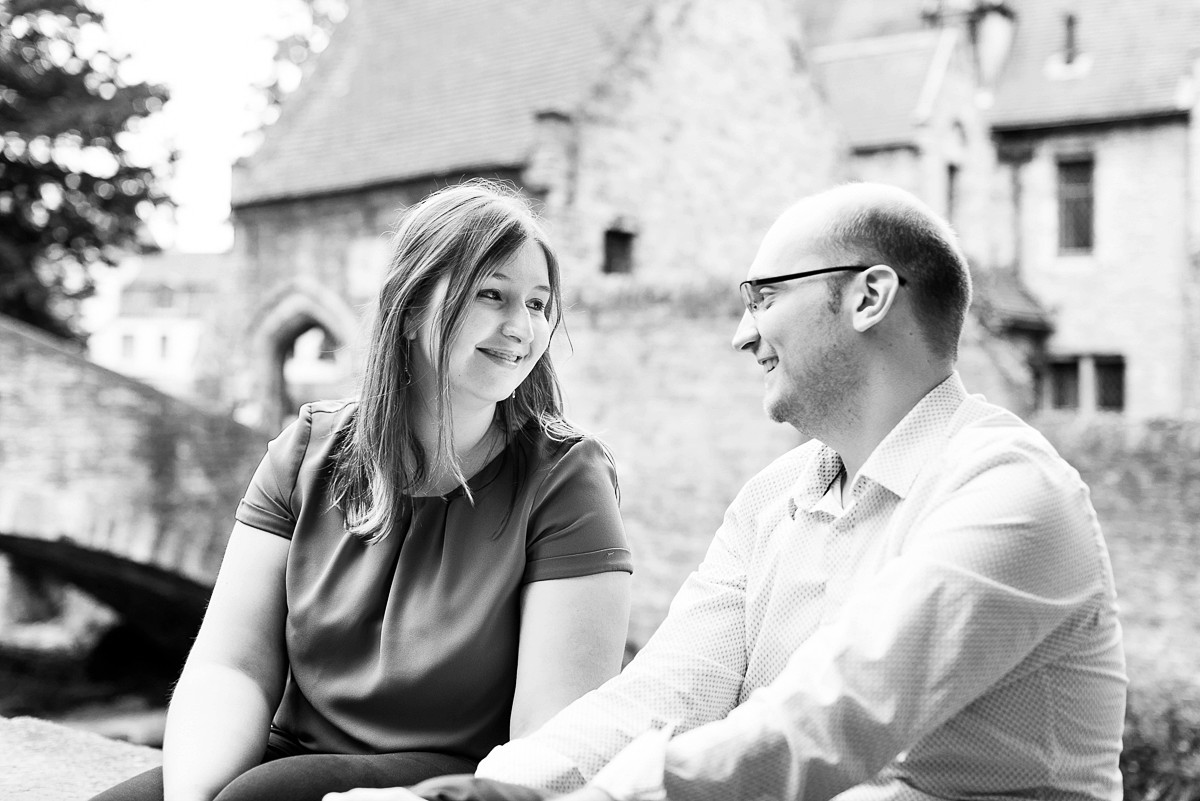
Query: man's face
x: 797, y: 335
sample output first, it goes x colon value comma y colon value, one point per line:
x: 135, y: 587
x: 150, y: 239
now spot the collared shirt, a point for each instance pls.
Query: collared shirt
x: 950, y: 633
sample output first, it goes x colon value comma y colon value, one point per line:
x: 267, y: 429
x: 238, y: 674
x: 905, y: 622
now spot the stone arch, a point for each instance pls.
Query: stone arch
x: 279, y: 320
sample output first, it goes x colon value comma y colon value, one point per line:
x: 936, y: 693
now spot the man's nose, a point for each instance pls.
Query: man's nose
x: 746, y: 335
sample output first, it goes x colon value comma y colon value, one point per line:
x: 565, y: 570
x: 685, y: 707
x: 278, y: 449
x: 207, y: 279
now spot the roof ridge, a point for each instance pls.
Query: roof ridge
x: 876, y: 45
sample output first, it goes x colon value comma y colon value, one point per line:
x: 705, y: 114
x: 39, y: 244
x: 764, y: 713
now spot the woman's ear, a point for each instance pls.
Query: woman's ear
x: 876, y: 290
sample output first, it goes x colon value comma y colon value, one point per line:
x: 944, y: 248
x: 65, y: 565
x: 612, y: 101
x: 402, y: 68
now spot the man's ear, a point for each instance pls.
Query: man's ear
x: 874, y: 291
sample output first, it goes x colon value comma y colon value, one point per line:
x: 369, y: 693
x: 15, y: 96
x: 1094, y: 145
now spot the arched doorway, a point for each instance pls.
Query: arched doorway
x: 313, y: 365
x: 305, y: 347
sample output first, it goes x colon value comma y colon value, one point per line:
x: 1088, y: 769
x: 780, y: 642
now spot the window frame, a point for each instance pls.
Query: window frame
x: 1076, y: 201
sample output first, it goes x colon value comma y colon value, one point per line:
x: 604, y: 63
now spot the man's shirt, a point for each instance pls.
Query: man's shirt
x: 951, y: 632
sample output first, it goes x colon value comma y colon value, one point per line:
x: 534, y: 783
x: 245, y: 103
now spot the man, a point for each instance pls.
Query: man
x: 917, y: 603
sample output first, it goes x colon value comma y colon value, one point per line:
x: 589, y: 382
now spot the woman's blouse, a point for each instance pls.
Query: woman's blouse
x: 410, y: 644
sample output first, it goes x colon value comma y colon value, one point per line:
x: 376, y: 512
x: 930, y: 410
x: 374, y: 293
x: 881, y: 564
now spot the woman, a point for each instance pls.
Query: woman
x: 418, y: 575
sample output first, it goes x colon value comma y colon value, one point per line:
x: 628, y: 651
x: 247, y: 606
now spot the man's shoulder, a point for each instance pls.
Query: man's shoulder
x: 983, y: 435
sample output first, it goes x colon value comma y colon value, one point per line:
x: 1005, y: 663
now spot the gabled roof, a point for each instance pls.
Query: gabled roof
x: 881, y: 88
x: 413, y: 88
x: 1134, y: 59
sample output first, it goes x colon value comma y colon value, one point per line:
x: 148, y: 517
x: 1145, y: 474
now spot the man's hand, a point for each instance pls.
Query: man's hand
x: 586, y: 794
x: 454, y: 787
x: 375, y: 794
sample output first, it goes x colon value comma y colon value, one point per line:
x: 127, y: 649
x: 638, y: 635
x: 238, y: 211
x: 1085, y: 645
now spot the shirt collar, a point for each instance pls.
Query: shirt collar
x: 899, y: 458
x: 816, y: 477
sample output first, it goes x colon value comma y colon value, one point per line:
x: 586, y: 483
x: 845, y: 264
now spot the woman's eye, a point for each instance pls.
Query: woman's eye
x: 490, y: 294
x: 537, y: 304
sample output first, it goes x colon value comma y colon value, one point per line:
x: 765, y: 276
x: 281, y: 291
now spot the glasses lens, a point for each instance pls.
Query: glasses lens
x: 749, y: 297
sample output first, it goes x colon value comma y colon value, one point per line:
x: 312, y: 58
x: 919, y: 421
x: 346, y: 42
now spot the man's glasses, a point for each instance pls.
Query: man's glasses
x: 752, y: 289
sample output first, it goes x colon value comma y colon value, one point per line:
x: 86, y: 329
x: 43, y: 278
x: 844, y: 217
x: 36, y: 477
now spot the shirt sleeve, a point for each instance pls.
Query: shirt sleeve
x: 1001, y: 571
x: 690, y: 672
x: 575, y: 526
x: 270, y: 503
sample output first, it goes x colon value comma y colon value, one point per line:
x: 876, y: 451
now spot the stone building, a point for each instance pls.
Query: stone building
x: 1060, y: 137
x: 151, y: 319
x: 659, y: 138
x: 1097, y: 137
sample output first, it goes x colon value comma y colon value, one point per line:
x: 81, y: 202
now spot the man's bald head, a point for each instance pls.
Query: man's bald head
x: 869, y: 223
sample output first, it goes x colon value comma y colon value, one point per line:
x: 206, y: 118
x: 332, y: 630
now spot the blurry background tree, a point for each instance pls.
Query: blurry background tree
x: 71, y: 197
x: 303, y: 31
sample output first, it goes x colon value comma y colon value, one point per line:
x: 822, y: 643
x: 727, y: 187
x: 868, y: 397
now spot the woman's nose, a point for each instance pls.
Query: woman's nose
x: 517, y: 325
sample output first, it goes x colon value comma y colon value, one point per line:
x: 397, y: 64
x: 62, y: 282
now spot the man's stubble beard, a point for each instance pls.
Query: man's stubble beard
x: 824, y: 401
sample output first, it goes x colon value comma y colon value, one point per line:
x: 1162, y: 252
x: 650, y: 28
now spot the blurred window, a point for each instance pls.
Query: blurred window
x: 1075, y: 204
x: 1110, y: 383
x: 618, y: 252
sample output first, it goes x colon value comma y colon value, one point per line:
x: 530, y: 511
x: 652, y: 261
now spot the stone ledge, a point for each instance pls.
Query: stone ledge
x: 42, y: 761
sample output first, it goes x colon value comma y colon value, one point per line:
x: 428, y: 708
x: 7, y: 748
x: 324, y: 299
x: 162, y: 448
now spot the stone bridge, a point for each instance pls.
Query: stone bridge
x: 113, y: 486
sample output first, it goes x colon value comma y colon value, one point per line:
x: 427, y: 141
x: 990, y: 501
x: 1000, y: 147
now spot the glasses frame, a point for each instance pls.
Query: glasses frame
x: 747, y: 287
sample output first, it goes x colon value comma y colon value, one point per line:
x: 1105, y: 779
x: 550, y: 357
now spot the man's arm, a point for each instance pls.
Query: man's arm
x: 1006, y: 558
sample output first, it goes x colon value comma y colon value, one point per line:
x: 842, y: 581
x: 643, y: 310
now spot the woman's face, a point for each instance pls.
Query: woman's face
x: 504, y: 333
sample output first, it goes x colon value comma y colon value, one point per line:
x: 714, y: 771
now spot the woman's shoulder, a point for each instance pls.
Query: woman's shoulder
x: 548, y: 446
x: 324, y: 418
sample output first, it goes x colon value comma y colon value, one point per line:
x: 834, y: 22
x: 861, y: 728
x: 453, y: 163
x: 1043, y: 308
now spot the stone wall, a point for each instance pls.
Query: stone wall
x: 694, y: 142
x: 40, y: 761
x: 114, y: 465
x: 1145, y: 484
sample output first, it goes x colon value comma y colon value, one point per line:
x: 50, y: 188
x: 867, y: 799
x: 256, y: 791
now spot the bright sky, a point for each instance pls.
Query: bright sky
x: 210, y: 53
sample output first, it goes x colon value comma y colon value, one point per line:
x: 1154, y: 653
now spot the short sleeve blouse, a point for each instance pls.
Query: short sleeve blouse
x: 410, y: 644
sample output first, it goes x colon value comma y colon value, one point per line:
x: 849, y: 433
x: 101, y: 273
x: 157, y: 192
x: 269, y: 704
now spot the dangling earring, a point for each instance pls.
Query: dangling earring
x: 405, y: 359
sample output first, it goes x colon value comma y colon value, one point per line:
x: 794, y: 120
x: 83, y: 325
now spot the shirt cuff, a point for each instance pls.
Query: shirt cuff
x: 524, y: 762
x: 636, y: 773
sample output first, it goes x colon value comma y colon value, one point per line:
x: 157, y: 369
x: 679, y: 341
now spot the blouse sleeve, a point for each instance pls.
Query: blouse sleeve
x: 575, y: 527
x: 271, y: 503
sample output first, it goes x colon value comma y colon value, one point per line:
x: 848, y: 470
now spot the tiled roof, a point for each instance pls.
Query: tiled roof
x: 1133, y: 58
x: 411, y: 88
x: 1002, y: 298
x: 877, y: 87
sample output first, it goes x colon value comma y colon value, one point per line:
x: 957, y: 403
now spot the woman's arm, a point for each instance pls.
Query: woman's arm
x: 222, y: 707
x: 572, y: 640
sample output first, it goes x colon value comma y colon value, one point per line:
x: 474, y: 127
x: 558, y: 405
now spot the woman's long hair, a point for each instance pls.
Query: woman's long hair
x: 461, y: 234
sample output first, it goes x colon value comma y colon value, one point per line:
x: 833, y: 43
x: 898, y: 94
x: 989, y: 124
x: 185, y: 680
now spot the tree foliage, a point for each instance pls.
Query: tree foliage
x: 312, y: 23
x: 71, y: 196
